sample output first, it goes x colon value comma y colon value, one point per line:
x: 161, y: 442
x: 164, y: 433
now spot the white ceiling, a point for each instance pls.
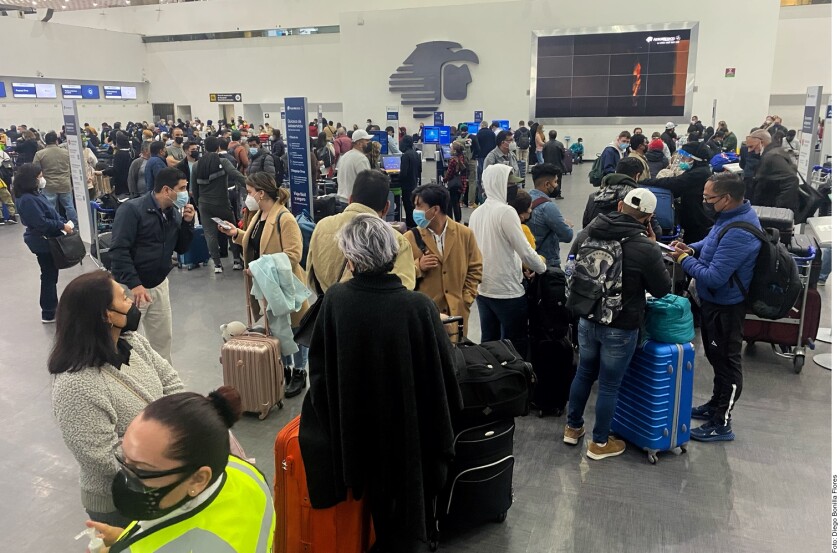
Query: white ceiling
x: 66, y: 5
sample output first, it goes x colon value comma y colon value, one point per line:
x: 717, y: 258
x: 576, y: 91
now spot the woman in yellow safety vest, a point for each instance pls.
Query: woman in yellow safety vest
x: 178, y: 481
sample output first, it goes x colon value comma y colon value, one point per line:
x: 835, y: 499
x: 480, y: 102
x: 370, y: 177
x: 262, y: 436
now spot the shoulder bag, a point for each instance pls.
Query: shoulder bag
x: 67, y: 250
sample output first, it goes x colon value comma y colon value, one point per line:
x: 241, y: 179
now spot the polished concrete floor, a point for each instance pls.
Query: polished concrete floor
x: 766, y: 491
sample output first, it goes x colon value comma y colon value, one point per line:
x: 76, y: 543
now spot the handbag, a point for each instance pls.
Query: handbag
x: 67, y: 250
x: 303, y: 335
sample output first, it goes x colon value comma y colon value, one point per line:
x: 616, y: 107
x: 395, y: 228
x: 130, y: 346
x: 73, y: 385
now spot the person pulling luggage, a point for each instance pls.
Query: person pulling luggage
x: 618, y: 255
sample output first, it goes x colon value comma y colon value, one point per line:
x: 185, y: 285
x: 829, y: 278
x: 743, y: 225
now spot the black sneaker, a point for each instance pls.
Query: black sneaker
x: 703, y: 412
x: 713, y: 431
x: 297, y: 384
x: 11, y: 221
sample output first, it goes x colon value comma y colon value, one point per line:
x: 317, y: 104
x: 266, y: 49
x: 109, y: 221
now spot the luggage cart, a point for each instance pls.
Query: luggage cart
x: 794, y: 352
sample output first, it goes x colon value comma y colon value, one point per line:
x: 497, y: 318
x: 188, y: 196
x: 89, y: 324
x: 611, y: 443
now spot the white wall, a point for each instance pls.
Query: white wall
x: 501, y: 80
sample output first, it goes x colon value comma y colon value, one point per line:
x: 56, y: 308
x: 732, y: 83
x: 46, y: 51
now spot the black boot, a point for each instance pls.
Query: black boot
x: 297, y: 383
x: 287, y: 376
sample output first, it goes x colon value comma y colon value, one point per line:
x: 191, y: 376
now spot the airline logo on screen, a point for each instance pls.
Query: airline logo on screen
x: 664, y: 39
x: 421, y: 82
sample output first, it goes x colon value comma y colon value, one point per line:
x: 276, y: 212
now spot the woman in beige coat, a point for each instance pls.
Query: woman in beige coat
x: 273, y: 229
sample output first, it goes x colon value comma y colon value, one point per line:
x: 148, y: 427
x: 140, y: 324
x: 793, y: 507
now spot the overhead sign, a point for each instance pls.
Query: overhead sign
x: 226, y: 97
x: 479, y: 116
x: 297, y: 143
x: 392, y: 114
x: 810, y: 130
x: 432, y: 70
x: 438, y: 118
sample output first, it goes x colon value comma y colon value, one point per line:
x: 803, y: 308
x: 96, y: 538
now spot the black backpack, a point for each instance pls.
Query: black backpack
x: 524, y: 141
x: 775, y: 286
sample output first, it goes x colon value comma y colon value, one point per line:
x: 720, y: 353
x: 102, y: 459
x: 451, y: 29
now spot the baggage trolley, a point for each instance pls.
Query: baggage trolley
x: 796, y: 352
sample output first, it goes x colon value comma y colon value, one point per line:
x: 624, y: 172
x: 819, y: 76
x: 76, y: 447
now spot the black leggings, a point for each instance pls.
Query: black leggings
x: 454, y: 210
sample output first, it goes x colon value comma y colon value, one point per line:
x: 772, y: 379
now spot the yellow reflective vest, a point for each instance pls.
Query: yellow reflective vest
x: 238, y: 518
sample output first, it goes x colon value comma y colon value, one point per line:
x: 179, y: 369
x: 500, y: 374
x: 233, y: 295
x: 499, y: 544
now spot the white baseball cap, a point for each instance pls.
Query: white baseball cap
x: 670, y: 125
x: 361, y: 134
x: 642, y: 199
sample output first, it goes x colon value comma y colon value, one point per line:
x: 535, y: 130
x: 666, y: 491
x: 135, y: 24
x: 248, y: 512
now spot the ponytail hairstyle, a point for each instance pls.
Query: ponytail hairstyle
x: 199, y: 426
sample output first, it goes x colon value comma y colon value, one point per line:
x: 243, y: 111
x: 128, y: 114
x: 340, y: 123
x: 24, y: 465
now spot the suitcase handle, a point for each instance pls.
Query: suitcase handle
x: 248, y: 282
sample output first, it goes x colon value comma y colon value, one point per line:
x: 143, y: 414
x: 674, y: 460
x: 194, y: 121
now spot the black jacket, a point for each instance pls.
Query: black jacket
x: 688, y: 188
x: 378, y: 421
x: 656, y: 161
x: 410, y: 167
x: 748, y: 161
x: 776, y: 180
x: 670, y: 141
x: 143, y: 239
x: 119, y: 171
x: 553, y: 152
x: 642, y: 266
x: 486, y: 142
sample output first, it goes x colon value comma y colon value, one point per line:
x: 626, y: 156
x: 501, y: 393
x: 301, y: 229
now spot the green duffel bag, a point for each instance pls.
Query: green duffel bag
x: 669, y: 320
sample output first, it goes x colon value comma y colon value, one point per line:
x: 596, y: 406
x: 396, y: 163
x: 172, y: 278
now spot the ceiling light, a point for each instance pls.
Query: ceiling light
x: 63, y: 7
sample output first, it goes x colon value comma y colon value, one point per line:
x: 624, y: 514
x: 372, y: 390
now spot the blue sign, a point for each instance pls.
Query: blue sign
x: 479, y: 117
x: 23, y: 90
x: 828, y: 112
x: 90, y: 92
x: 382, y: 138
x: 808, y: 121
x: 113, y: 92
x: 297, y: 142
x: 438, y: 119
x: 392, y: 116
x: 2, y: 89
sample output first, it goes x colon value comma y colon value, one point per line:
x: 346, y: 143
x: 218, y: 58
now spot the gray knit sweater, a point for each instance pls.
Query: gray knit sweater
x: 94, y: 406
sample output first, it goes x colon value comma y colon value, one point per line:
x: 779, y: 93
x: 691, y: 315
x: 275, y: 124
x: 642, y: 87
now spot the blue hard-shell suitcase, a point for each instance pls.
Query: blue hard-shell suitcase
x: 198, y: 254
x: 664, y: 209
x: 653, y: 410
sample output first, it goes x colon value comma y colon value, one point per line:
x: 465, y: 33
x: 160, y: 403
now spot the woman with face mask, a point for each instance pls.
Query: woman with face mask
x: 273, y: 229
x: 177, y: 480
x: 41, y: 220
x: 105, y: 374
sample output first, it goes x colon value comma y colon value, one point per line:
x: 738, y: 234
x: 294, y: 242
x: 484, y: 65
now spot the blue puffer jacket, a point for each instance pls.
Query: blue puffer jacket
x: 40, y: 219
x: 720, y: 259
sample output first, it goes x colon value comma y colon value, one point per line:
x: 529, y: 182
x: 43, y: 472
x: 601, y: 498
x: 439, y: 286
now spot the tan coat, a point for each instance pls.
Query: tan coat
x: 643, y: 159
x: 325, y: 259
x: 452, y: 285
x: 288, y: 240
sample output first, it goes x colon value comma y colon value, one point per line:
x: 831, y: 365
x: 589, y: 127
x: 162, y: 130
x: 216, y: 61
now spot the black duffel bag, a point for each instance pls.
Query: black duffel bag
x: 495, y: 381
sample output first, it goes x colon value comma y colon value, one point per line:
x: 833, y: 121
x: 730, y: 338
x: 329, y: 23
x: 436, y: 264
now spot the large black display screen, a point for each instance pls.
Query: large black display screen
x: 630, y: 74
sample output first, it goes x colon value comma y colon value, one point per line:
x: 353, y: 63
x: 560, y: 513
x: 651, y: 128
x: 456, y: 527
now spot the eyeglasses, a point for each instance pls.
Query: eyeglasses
x: 138, y: 475
x: 707, y: 198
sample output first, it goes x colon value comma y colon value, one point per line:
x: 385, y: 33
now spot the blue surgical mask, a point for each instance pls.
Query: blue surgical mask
x: 253, y: 151
x: 624, y: 145
x: 685, y: 166
x: 420, y: 218
x: 182, y: 199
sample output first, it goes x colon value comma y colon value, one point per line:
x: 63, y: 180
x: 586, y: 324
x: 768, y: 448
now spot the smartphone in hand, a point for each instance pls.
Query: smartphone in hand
x: 222, y: 223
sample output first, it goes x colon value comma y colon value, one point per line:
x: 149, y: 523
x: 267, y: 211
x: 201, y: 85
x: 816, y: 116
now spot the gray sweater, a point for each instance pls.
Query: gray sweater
x: 94, y: 407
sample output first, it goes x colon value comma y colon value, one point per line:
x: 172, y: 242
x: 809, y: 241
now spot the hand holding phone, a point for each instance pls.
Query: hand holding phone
x: 222, y: 223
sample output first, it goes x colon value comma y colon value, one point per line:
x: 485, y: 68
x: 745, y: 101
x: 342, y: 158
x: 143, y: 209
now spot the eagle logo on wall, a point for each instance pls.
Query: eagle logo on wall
x: 432, y: 69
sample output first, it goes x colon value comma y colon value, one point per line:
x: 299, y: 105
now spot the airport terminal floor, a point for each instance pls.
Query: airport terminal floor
x: 766, y: 491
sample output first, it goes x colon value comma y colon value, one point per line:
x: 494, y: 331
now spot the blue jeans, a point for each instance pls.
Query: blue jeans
x: 300, y: 358
x: 605, y: 354
x: 66, y: 200
x: 505, y: 318
x: 540, y: 158
x: 826, y: 264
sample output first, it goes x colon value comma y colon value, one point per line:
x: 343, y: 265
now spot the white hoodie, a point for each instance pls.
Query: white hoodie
x: 503, y: 245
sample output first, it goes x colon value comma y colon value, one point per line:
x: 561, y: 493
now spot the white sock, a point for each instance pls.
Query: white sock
x: 601, y: 445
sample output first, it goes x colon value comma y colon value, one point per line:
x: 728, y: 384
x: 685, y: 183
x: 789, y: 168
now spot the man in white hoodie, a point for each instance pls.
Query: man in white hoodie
x: 502, y: 305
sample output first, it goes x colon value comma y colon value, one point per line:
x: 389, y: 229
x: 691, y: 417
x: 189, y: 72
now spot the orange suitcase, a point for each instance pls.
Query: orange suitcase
x: 345, y: 528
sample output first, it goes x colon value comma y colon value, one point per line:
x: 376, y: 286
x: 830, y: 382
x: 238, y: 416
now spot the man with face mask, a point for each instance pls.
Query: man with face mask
x: 353, y: 163
x: 175, y: 153
x: 724, y: 256
x: 669, y: 137
x: 613, y: 189
x: 137, y: 172
x: 614, y: 152
x: 643, y: 270
x: 190, y: 158
x: 447, y: 261
x: 146, y: 232
x: 547, y: 223
x: 638, y: 148
x: 504, y: 153
x: 776, y: 178
x: 260, y: 159
x: 688, y: 187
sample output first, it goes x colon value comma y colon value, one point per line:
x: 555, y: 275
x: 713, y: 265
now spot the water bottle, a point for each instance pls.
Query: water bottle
x: 570, y: 266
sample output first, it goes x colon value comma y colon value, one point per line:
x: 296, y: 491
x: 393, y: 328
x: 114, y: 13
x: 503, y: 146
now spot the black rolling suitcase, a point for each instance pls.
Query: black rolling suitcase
x: 801, y: 245
x: 568, y: 162
x: 480, y: 484
x: 326, y: 206
x: 779, y: 218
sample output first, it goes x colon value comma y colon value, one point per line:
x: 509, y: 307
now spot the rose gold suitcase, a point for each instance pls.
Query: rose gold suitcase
x: 251, y: 363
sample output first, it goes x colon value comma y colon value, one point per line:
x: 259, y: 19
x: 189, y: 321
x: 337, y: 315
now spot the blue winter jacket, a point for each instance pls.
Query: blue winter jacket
x: 153, y: 167
x: 720, y: 259
x: 40, y: 219
x: 549, y: 229
x: 610, y: 158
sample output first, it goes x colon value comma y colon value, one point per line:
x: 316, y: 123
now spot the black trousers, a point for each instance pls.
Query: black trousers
x: 454, y: 210
x: 722, y: 330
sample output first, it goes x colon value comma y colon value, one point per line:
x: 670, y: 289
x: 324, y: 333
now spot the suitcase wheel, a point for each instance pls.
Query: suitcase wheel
x: 652, y: 458
x: 501, y: 517
x: 798, y: 363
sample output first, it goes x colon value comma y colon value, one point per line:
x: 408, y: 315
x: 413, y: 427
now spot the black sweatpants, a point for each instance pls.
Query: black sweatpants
x: 722, y: 329
x: 211, y: 231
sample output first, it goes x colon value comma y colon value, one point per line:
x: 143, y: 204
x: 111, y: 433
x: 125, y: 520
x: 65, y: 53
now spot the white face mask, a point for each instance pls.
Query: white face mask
x: 42, y: 182
x: 251, y: 203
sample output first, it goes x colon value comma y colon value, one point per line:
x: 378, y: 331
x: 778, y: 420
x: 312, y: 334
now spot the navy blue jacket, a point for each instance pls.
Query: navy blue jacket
x: 486, y: 142
x: 153, y: 167
x: 720, y: 259
x: 40, y: 219
x: 143, y: 239
x: 610, y: 158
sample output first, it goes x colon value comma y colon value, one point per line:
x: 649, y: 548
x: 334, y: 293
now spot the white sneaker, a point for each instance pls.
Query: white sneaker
x: 48, y: 321
x: 218, y: 269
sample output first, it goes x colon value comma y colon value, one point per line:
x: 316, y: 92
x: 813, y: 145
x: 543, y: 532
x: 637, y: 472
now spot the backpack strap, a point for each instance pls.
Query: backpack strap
x: 538, y: 202
x: 752, y: 230
x: 419, y: 239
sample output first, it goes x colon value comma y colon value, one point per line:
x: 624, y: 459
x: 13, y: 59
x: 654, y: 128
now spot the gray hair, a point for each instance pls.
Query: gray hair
x: 369, y: 243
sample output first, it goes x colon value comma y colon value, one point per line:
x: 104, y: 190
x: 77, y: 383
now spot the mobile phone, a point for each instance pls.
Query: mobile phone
x: 666, y: 247
x: 222, y: 223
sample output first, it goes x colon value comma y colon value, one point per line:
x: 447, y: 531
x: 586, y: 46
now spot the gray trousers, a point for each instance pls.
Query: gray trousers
x: 211, y: 231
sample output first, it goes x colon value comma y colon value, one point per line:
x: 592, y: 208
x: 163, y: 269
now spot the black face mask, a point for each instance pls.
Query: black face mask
x: 179, y: 140
x: 143, y: 505
x: 554, y: 193
x: 132, y: 319
x: 195, y: 154
x: 709, y: 208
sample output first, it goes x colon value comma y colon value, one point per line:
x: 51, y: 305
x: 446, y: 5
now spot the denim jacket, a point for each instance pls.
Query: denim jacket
x: 549, y: 229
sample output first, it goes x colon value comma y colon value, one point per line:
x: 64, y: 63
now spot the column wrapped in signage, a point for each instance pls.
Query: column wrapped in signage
x: 297, y: 146
x: 810, y: 131
x: 77, y: 169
